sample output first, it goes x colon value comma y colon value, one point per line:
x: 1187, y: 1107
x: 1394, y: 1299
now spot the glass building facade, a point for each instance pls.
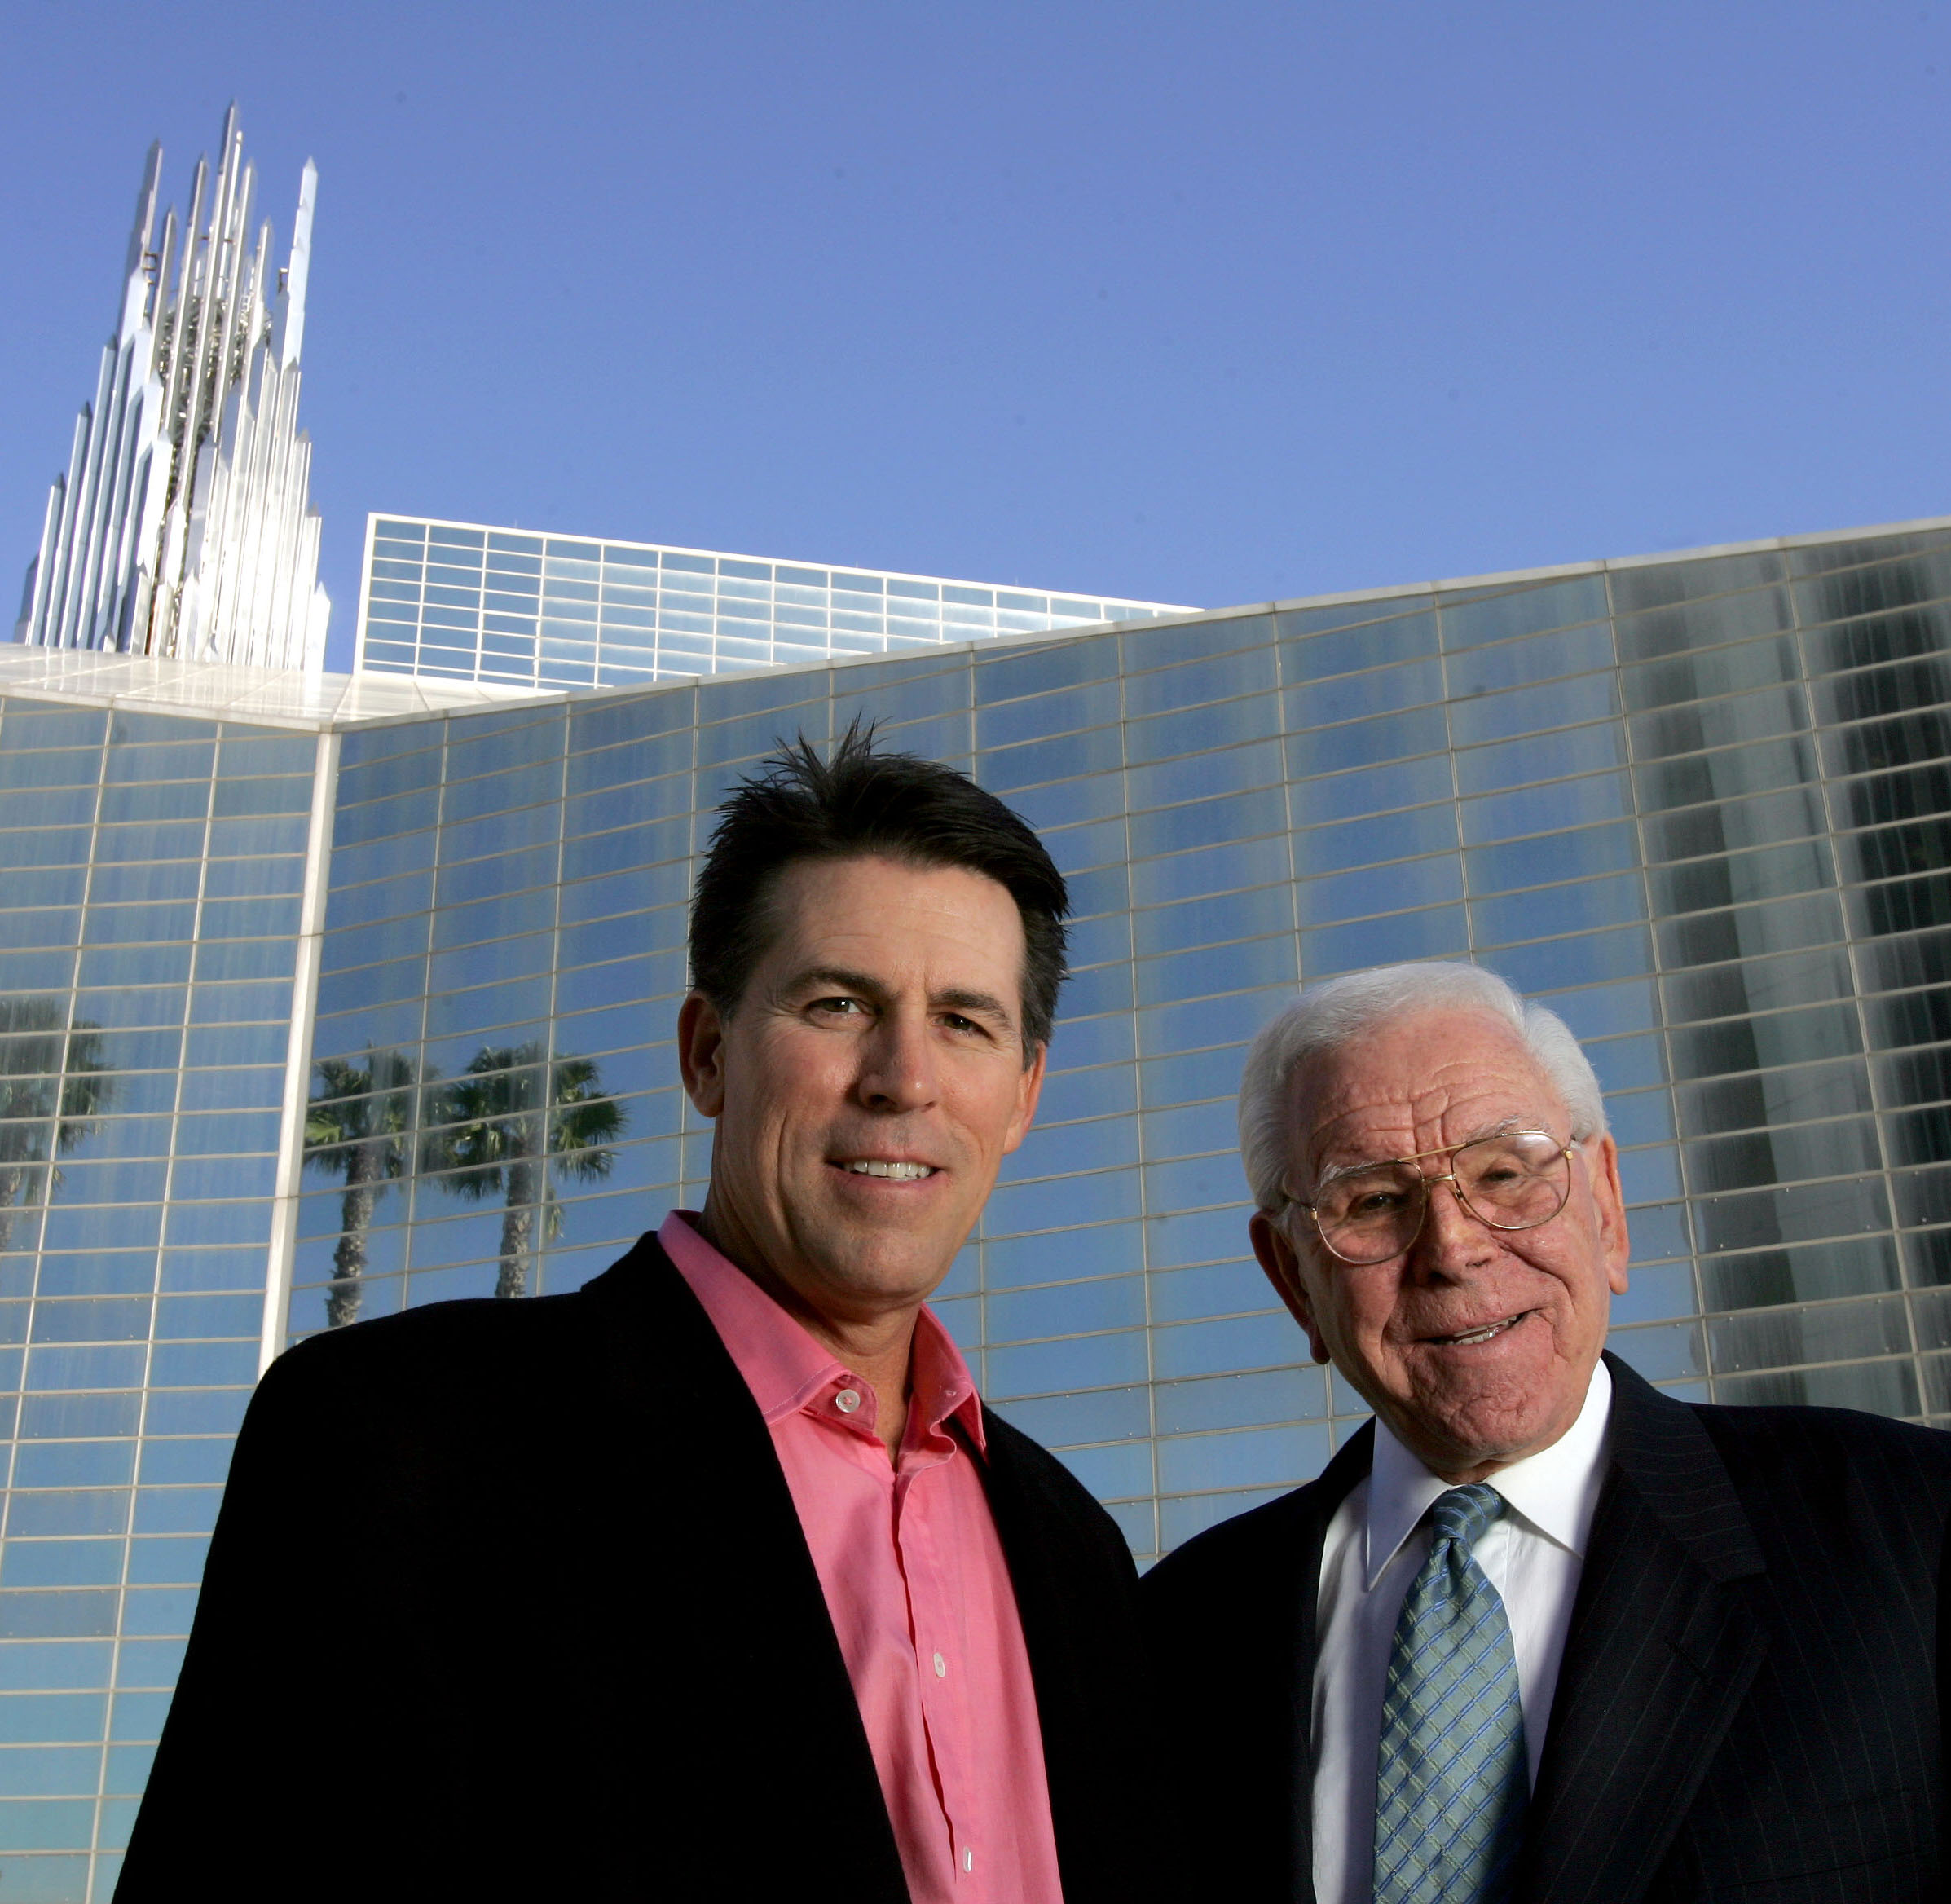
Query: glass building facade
x: 460, y: 601
x: 322, y: 1009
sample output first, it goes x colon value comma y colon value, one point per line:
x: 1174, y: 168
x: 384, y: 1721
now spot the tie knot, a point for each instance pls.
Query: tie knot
x: 1464, y: 1513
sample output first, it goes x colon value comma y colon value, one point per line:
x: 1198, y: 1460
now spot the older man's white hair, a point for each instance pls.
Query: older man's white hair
x: 1337, y: 1010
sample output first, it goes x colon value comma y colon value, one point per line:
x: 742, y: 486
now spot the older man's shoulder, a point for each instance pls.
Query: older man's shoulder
x: 1801, y: 1447
x: 1794, y: 1438
x: 1262, y: 1546
x: 1853, y: 1504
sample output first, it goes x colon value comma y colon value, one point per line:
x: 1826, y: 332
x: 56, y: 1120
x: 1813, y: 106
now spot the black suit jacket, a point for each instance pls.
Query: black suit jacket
x: 510, y: 1600
x: 1750, y: 1703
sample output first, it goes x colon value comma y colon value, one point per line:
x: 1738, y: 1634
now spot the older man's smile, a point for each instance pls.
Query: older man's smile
x: 1484, y: 1332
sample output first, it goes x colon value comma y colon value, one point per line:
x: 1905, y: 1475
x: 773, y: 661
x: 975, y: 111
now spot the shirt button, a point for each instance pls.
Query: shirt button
x: 942, y: 1667
x: 968, y: 1861
x: 847, y: 1400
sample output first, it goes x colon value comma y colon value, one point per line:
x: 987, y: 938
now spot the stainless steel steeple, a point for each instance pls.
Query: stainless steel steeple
x: 183, y: 527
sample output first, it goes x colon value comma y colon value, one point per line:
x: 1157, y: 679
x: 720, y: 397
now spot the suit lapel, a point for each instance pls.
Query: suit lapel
x: 1301, y: 1592
x: 1066, y: 1629
x: 1237, y: 1636
x: 1661, y: 1651
x: 695, y: 1468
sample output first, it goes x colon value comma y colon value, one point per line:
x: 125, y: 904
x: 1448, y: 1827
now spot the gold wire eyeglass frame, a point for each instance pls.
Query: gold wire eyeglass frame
x: 1427, y: 1179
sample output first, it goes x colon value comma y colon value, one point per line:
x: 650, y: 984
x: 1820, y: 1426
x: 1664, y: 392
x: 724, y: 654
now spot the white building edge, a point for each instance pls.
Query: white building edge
x: 183, y: 528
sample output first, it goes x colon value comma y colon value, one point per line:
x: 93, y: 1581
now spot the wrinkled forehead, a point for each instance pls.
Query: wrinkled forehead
x: 1419, y: 1082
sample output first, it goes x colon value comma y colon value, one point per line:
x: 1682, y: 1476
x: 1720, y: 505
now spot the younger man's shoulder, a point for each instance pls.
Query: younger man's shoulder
x: 471, y: 1333
x: 449, y: 1371
x: 461, y: 1357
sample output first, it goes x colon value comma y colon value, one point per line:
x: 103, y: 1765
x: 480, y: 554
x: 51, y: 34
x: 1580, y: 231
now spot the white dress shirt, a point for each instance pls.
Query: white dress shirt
x: 1376, y: 1543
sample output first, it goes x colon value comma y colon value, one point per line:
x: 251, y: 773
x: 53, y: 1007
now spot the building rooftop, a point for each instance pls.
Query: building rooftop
x: 275, y: 697
x: 284, y: 697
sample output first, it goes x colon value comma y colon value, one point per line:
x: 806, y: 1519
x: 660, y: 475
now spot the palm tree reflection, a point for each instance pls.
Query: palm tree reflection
x: 517, y: 1118
x: 53, y: 1090
x: 359, y: 1125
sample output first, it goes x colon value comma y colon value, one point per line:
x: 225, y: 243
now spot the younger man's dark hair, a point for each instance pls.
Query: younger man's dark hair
x: 857, y: 805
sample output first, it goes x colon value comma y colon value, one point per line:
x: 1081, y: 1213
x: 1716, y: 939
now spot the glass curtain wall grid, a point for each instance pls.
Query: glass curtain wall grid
x: 154, y: 985
x: 183, y: 526
x: 1698, y: 802
x: 458, y: 600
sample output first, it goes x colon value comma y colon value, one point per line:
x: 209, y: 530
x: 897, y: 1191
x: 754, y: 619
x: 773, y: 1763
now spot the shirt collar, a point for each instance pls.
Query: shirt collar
x: 784, y: 1367
x: 1556, y: 1491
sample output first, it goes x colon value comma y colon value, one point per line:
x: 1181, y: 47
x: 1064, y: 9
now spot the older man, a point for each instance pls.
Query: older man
x: 713, y: 1579
x: 1540, y: 1632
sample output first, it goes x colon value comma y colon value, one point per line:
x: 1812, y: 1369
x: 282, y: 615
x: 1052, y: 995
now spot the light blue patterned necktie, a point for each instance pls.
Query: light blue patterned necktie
x: 1452, y: 1778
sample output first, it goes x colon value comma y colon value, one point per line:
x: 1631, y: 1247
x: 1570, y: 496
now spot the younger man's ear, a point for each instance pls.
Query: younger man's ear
x: 701, y: 1054
x: 1030, y: 1089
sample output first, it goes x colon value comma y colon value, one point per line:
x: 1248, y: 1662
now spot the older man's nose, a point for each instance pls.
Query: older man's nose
x: 1451, y: 1239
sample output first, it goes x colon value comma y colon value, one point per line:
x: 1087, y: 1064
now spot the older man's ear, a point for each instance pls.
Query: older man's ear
x: 1608, y: 1196
x: 1282, y: 1263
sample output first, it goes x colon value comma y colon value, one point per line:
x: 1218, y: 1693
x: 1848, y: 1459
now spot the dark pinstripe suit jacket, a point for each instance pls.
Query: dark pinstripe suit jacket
x: 1752, y: 1700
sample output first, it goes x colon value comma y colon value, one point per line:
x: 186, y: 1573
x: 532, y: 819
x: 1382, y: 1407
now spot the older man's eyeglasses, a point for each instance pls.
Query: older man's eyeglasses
x: 1515, y: 1181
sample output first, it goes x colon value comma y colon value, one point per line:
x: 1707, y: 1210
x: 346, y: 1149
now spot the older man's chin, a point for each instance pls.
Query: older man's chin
x: 1468, y: 1404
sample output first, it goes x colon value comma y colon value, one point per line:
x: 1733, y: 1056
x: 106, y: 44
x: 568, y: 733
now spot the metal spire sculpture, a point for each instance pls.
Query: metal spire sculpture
x: 183, y: 527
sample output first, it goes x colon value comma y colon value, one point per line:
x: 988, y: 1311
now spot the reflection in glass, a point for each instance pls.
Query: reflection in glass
x: 356, y: 1127
x: 515, y: 1118
x: 53, y: 1090
x: 1780, y: 1073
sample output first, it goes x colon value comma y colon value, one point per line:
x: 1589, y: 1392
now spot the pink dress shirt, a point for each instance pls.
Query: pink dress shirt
x: 917, y: 1586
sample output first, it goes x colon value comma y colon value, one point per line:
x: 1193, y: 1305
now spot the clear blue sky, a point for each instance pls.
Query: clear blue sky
x: 1206, y: 304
